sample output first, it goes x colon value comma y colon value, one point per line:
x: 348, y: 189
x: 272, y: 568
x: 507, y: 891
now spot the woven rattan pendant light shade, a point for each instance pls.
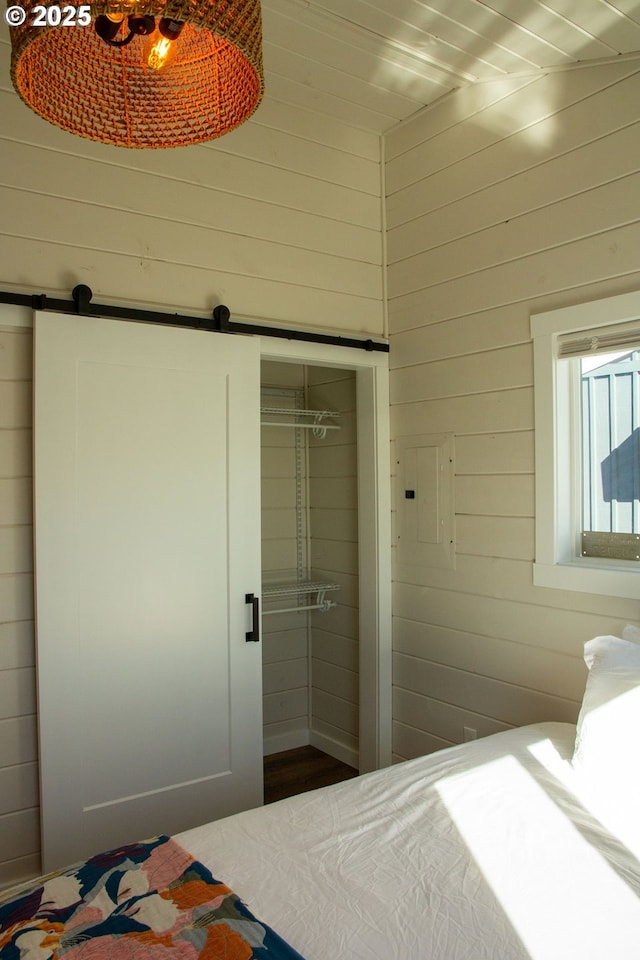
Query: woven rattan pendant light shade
x: 72, y: 78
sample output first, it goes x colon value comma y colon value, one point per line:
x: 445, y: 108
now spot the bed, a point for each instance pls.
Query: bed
x: 519, y: 846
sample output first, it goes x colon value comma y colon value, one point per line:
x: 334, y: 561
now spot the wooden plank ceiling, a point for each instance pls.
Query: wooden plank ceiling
x: 373, y: 63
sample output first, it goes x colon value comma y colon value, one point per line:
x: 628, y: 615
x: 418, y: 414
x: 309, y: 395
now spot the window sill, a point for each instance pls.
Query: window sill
x: 587, y: 576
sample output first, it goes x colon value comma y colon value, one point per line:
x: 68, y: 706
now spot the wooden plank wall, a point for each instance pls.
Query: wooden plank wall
x: 333, y: 514
x: 19, y: 811
x: 504, y: 199
x: 280, y: 220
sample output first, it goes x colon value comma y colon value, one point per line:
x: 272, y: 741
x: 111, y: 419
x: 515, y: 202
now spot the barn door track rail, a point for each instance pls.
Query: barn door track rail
x: 219, y: 322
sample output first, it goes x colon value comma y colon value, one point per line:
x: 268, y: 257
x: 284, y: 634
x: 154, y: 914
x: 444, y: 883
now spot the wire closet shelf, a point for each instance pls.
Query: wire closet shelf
x: 298, y: 592
x: 301, y: 419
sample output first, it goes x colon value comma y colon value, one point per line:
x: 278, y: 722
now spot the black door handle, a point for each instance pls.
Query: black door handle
x: 254, y: 633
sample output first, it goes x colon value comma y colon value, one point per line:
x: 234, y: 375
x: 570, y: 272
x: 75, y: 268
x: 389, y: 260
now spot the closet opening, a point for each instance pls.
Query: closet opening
x: 326, y: 619
x: 309, y: 475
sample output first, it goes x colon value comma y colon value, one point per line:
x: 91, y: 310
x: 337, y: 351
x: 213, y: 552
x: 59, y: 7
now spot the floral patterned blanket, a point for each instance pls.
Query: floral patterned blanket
x: 144, y: 901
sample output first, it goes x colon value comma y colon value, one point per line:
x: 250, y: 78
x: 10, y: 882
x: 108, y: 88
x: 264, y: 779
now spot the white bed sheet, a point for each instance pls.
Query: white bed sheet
x: 481, y: 851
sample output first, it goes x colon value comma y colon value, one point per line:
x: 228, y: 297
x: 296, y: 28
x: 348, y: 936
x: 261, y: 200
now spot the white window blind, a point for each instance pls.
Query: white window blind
x: 603, y: 340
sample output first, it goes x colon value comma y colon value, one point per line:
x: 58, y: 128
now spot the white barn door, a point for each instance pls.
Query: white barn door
x: 147, y: 506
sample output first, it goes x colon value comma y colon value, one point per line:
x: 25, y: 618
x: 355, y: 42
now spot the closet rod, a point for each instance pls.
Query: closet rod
x: 324, y: 606
x: 301, y: 426
x: 218, y: 323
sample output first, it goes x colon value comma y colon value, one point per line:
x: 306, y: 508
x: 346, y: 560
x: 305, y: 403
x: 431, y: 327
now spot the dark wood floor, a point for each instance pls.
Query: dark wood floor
x: 299, y: 770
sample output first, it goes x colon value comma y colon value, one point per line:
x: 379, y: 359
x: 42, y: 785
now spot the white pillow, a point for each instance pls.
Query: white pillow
x: 631, y: 633
x: 606, y: 752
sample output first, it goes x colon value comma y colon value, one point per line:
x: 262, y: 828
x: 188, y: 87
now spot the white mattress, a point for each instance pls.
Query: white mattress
x: 480, y: 851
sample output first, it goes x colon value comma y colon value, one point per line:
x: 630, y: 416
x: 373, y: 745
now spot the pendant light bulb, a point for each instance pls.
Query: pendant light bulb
x: 160, y: 49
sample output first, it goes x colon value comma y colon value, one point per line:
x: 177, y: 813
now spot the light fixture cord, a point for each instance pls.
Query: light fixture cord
x: 123, y: 42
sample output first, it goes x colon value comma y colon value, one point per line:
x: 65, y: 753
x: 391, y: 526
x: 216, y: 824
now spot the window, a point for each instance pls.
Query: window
x: 587, y: 446
x: 610, y: 465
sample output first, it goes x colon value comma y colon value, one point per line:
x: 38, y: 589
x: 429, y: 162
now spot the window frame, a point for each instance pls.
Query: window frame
x: 557, y: 561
